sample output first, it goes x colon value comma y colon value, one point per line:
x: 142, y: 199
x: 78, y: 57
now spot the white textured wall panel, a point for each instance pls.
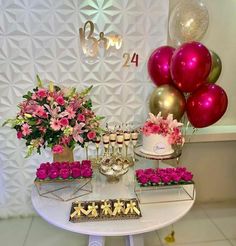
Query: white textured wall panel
x: 42, y: 37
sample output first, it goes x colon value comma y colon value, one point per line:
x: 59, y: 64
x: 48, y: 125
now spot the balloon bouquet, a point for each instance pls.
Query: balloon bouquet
x: 185, y: 77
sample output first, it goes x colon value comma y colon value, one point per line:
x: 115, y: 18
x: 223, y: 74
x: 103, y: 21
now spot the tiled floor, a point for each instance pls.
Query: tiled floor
x: 212, y: 224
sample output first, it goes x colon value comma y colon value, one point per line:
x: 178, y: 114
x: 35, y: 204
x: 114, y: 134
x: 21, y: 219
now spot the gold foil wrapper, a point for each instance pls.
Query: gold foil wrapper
x: 111, y: 209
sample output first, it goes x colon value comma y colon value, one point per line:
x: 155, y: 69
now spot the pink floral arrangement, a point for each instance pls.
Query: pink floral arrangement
x: 64, y: 170
x: 55, y: 117
x: 163, y: 176
x: 168, y: 127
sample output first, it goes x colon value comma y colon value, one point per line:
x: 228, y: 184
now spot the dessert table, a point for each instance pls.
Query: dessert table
x: 154, y: 216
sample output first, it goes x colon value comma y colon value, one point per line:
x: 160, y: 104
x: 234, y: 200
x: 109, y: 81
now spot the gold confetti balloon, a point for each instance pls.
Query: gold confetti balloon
x: 188, y: 21
x: 167, y: 100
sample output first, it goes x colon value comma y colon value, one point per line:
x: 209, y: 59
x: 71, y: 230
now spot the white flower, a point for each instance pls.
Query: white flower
x: 155, y: 119
x: 175, y: 123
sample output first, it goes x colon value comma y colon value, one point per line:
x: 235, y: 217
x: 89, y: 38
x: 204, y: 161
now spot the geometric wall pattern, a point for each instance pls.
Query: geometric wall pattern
x: 42, y: 37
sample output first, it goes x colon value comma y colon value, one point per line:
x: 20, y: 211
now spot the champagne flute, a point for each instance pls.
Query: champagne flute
x: 126, y: 141
x: 134, y: 137
x: 120, y: 142
x: 97, y: 143
x: 106, y: 141
x: 86, y: 149
x: 112, y: 138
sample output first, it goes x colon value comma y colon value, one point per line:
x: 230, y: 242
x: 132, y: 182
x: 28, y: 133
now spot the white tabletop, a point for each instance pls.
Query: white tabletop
x: 154, y: 216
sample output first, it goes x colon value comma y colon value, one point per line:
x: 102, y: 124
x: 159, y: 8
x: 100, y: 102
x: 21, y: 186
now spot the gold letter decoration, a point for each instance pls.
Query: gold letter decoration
x: 90, y: 45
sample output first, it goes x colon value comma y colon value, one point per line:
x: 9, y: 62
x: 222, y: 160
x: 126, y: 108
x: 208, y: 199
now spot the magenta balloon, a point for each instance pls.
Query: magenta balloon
x: 206, y: 105
x: 159, y: 65
x: 190, y: 66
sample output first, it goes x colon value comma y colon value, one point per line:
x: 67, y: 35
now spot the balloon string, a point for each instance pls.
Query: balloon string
x: 186, y: 124
x: 193, y: 132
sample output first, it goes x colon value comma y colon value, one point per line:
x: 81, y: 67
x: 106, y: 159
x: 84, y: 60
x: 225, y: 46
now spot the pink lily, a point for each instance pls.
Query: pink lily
x: 77, y: 131
x: 52, y: 112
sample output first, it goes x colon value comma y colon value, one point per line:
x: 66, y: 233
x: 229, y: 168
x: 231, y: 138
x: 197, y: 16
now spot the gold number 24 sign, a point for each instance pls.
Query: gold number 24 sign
x: 90, y: 44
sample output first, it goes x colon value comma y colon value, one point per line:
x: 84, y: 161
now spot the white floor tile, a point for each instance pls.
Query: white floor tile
x: 42, y: 233
x: 194, y: 227
x: 212, y: 243
x: 115, y: 241
x: 150, y: 239
x: 233, y: 242
x: 14, y: 231
x: 224, y: 216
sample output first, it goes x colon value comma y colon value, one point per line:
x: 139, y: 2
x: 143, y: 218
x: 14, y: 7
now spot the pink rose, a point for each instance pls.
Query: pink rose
x: 19, y: 135
x: 81, y: 117
x: 91, y: 135
x: 86, y: 172
x: 64, y: 122
x: 187, y: 176
x: 64, y: 173
x: 75, y: 164
x: 57, y: 149
x: 86, y: 164
x: 169, y: 170
x: 41, y: 173
x: 155, y: 129
x: 158, y: 170
x: 34, y: 96
x: 143, y: 179
x: 56, y: 165
x: 176, y: 177
x: 53, y: 173
x: 60, y: 100
x: 154, y: 179
x: 42, y: 93
x: 139, y: 172
x: 75, y: 172
x: 65, y: 164
x: 180, y: 169
x: 166, y: 179
x: 149, y: 171
x: 147, y: 131
x: 45, y: 166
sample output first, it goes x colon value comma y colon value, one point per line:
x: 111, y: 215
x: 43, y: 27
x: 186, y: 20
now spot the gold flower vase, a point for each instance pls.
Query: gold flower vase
x: 66, y: 155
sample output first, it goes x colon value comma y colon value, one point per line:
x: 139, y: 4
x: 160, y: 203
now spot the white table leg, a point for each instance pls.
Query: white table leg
x: 96, y: 241
x: 134, y: 240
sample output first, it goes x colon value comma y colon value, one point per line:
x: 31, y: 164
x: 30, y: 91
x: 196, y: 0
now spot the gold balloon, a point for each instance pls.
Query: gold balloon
x: 216, y: 67
x: 167, y: 100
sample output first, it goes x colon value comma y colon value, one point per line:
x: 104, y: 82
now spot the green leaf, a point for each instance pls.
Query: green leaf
x: 88, y: 104
x: 13, y: 122
x: 86, y: 91
x: 100, y: 117
x: 30, y: 151
x: 40, y: 83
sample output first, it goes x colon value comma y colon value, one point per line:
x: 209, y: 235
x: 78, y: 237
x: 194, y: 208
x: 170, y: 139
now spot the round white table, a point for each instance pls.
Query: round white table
x: 154, y: 216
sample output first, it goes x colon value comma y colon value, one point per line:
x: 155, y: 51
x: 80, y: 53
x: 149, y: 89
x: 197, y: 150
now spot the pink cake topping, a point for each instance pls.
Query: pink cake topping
x: 168, y: 127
